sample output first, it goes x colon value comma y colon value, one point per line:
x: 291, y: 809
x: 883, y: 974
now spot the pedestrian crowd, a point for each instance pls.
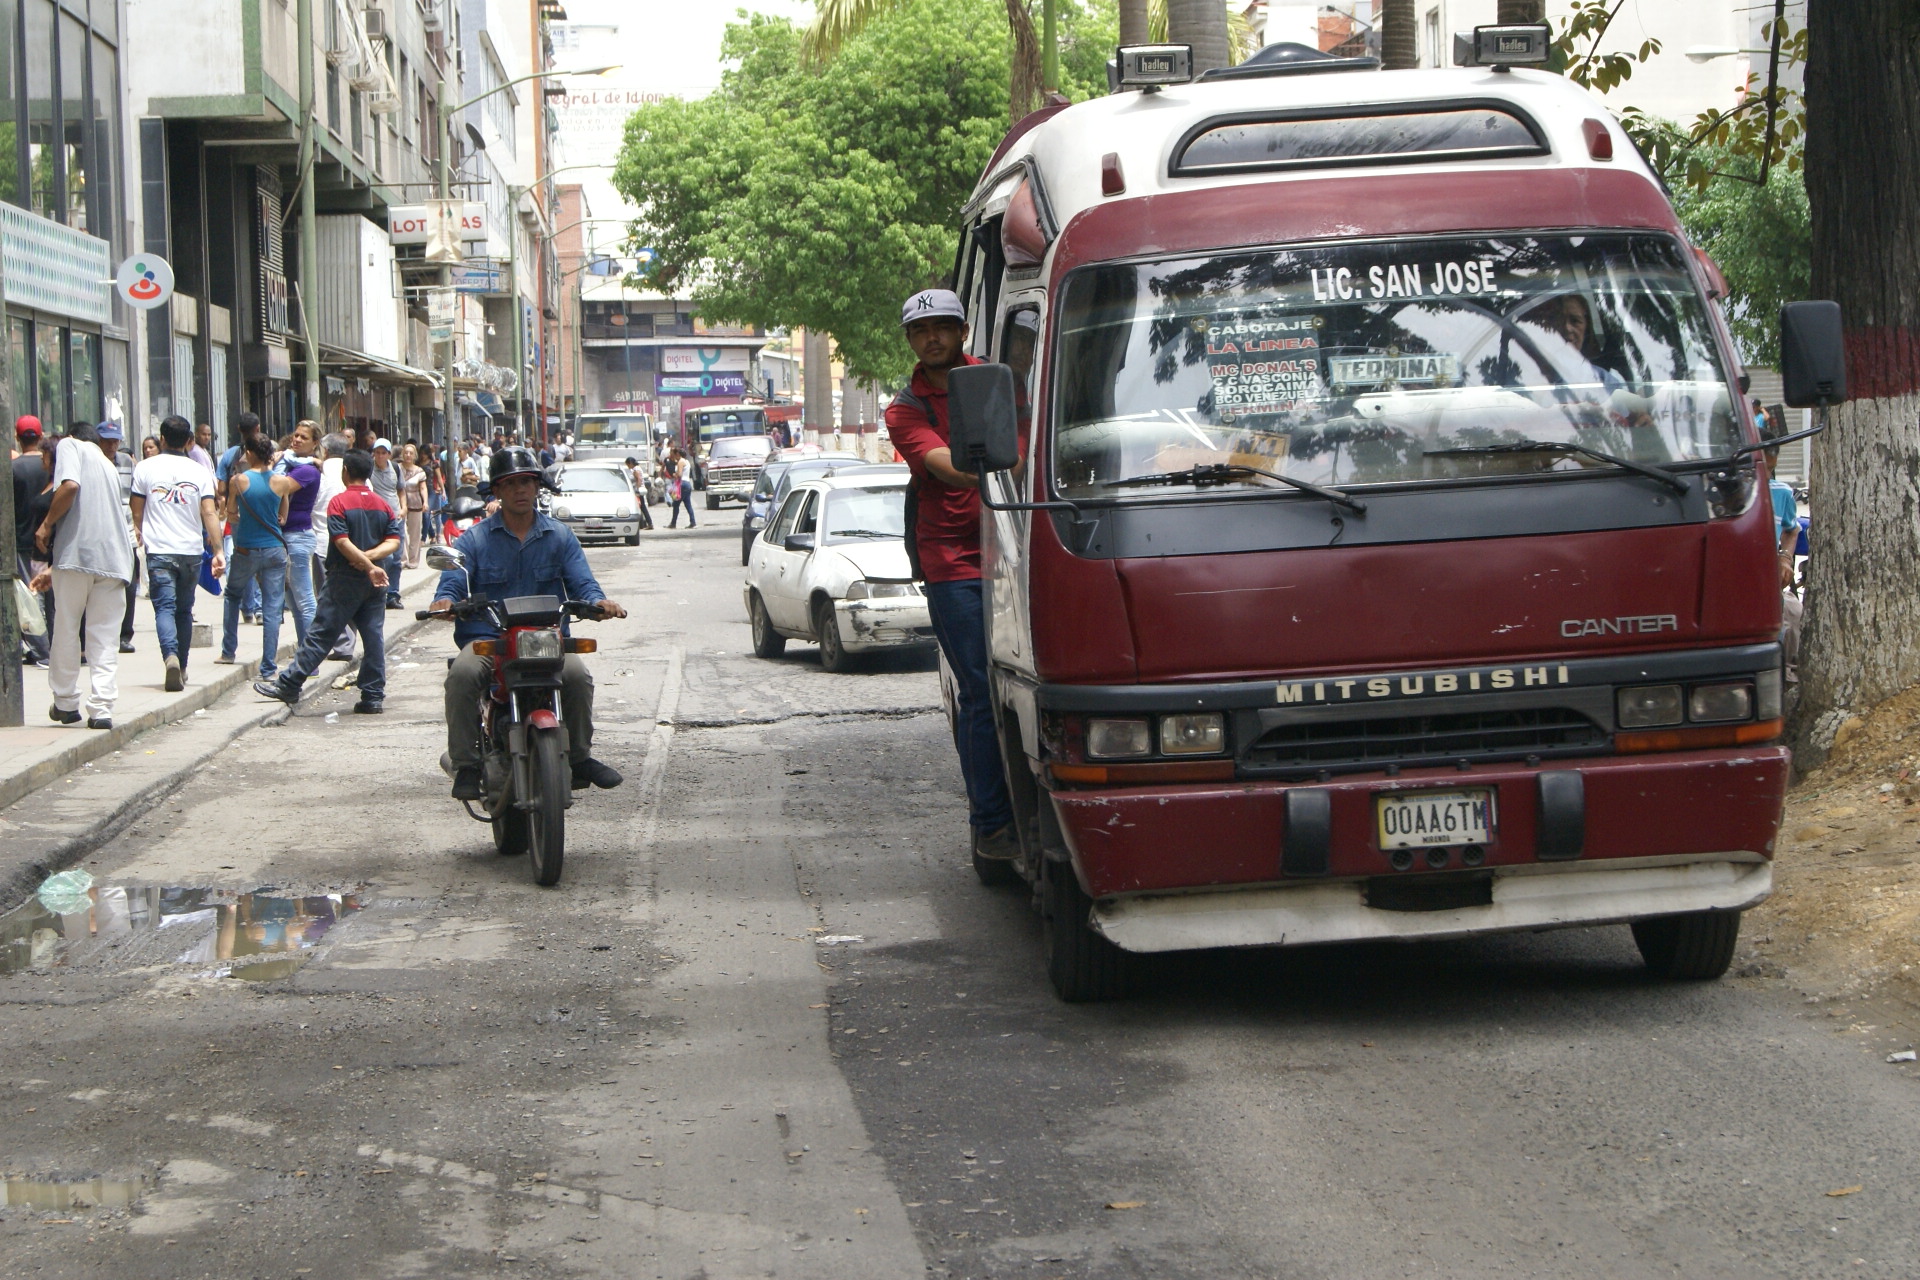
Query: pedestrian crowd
x: 244, y: 524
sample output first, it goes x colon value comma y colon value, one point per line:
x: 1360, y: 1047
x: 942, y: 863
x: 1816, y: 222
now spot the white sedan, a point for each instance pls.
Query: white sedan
x: 831, y: 567
x: 595, y: 499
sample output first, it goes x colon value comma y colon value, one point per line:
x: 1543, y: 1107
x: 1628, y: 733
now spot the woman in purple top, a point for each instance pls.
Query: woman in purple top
x: 298, y: 464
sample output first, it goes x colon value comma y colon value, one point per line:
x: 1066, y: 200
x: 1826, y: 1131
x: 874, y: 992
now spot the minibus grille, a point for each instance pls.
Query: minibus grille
x: 1473, y: 735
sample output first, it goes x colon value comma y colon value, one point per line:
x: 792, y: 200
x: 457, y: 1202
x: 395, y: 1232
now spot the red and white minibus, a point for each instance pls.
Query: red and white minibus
x: 1391, y: 557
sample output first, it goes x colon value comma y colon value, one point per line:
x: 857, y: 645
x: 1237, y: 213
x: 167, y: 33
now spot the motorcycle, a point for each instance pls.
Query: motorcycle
x: 464, y: 511
x: 527, y: 778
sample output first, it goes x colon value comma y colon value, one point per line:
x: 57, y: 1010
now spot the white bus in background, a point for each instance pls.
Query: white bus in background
x: 610, y: 435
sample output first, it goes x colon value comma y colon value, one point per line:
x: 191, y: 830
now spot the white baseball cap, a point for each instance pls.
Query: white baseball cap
x: 929, y: 303
x: 383, y: 443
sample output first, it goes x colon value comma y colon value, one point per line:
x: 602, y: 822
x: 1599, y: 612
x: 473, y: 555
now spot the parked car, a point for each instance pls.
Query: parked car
x: 732, y: 462
x: 832, y: 568
x: 595, y: 499
x: 778, y: 476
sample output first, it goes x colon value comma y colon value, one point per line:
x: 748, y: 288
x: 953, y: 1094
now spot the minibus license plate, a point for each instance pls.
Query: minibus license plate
x: 1425, y: 819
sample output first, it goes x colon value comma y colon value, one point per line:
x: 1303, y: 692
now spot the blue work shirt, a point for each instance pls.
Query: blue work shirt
x: 548, y: 563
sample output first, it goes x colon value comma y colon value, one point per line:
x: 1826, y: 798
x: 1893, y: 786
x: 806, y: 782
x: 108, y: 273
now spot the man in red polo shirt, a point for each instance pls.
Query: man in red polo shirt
x: 948, y: 534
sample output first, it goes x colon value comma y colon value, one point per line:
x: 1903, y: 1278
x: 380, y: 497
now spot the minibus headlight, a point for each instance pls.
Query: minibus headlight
x: 1646, y: 706
x: 538, y: 646
x: 1117, y: 739
x: 1720, y: 702
x: 1766, y: 695
x: 1193, y: 735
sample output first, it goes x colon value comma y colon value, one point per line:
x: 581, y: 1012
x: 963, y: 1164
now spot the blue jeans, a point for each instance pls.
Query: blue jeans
x: 958, y: 613
x: 171, y: 583
x: 684, y: 498
x: 300, y: 581
x: 267, y: 567
x: 347, y: 599
x: 392, y: 565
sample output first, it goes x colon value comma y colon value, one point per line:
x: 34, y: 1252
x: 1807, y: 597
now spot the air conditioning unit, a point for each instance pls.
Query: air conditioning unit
x: 432, y: 20
x: 376, y: 24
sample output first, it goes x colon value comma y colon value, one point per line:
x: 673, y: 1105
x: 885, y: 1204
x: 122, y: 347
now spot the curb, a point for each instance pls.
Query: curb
x: 96, y: 743
x: 20, y: 877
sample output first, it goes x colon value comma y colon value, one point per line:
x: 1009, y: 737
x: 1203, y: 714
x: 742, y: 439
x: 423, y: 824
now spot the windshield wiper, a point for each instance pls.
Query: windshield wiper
x: 862, y: 533
x: 1648, y: 470
x: 1223, y: 472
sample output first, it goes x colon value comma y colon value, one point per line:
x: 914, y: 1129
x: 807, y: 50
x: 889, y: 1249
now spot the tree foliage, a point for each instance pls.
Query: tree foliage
x: 1761, y: 236
x: 795, y: 196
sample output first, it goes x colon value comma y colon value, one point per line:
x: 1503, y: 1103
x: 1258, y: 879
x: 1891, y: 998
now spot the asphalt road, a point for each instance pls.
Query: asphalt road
x: 673, y: 1066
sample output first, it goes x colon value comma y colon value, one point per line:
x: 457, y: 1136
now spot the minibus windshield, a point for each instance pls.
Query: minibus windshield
x: 1429, y: 360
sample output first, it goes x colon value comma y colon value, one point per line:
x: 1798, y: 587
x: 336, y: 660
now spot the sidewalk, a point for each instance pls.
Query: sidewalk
x: 42, y: 751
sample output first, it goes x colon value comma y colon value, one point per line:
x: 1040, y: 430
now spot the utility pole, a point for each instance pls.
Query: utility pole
x: 12, y: 695
x: 519, y: 312
x: 307, y: 270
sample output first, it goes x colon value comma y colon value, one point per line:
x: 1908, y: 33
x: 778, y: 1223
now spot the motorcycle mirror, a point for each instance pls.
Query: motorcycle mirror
x: 445, y: 558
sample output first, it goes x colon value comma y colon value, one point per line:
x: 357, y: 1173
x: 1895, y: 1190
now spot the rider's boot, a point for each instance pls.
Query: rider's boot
x: 467, y: 783
x: 591, y: 772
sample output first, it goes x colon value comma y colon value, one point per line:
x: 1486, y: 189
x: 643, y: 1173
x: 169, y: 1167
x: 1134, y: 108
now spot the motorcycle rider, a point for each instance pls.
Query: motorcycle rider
x: 517, y: 551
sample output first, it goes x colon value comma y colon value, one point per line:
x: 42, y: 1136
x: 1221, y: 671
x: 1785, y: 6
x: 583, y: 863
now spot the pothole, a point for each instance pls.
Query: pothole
x: 67, y: 1197
x: 73, y: 924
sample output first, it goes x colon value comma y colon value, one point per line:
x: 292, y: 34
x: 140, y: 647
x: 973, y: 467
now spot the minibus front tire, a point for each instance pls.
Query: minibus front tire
x: 1696, y: 946
x: 1082, y: 965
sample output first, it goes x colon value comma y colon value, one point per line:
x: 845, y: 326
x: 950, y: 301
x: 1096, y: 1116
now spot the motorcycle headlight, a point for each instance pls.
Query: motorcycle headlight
x: 539, y: 646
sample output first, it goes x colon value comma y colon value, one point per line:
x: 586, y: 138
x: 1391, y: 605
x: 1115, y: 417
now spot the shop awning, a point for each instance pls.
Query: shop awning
x: 372, y: 366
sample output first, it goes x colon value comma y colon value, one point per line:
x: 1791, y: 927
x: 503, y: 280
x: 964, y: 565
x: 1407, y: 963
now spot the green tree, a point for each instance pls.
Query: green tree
x: 794, y: 197
x: 1761, y: 236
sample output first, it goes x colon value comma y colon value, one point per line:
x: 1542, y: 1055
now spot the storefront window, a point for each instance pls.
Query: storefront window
x: 42, y: 161
x: 84, y: 353
x: 114, y: 398
x: 50, y: 375
x: 20, y: 363
x: 74, y: 117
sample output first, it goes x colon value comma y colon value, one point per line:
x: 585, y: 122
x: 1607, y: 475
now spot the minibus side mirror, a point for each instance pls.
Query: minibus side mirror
x: 982, y: 424
x: 1813, y: 357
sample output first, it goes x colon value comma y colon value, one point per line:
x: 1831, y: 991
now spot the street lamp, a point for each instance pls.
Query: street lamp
x: 443, y: 186
x: 1704, y: 53
x: 513, y: 279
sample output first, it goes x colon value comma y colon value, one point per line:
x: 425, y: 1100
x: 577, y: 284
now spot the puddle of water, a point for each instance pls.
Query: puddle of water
x: 93, y: 1193
x: 127, y: 926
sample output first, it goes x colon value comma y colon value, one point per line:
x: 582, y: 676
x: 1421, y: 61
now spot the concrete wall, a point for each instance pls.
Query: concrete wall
x: 184, y: 49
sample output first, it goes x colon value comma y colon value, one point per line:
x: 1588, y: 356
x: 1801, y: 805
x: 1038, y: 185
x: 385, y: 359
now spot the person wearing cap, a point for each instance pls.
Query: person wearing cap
x: 946, y: 539
x: 517, y: 551
x: 362, y: 532
x: 386, y: 482
x: 29, y: 480
x: 86, y: 539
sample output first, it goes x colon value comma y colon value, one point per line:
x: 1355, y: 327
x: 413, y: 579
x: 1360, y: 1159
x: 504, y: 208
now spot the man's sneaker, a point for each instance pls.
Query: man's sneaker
x: 176, y: 674
x: 126, y: 646
x: 340, y: 655
x: 226, y: 660
x: 998, y: 846
x: 58, y: 716
x: 277, y: 691
x: 368, y: 707
x: 591, y: 772
x: 466, y: 783
x: 100, y: 722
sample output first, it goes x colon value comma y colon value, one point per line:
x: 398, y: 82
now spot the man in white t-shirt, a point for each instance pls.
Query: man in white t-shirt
x: 174, y: 520
x: 86, y: 539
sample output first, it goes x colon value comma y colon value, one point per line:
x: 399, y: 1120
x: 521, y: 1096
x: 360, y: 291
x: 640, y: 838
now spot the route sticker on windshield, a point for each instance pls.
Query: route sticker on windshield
x: 1434, y: 369
x: 1263, y: 364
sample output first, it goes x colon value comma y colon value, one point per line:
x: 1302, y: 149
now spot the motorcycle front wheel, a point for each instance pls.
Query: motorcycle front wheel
x: 547, y: 819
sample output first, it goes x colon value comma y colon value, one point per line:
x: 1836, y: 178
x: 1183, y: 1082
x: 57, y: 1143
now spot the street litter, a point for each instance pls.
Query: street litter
x: 66, y: 892
x: 1847, y: 1191
x: 839, y: 939
x: 333, y: 717
x: 1905, y: 1055
x: 1126, y: 1204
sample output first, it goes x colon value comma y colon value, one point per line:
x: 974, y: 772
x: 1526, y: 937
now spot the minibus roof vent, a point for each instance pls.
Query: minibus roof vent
x: 1289, y: 59
x: 1394, y: 133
